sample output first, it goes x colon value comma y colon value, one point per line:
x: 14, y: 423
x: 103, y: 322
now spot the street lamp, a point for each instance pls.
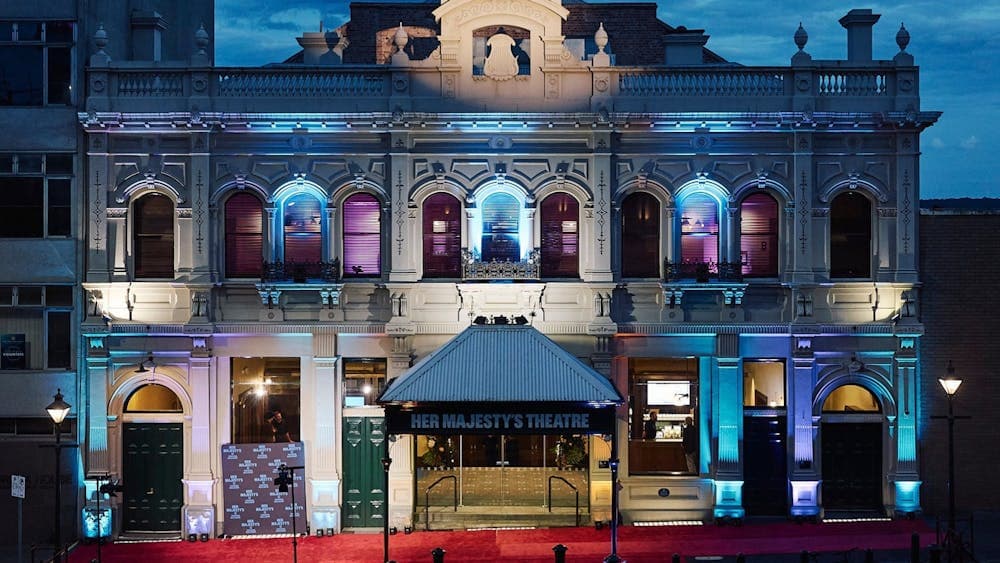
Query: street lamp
x: 386, y: 462
x: 950, y: 383
x: 58, y: 409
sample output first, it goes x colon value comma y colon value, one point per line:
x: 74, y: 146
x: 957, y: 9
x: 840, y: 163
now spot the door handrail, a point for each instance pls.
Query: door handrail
x: 575, y: 491
x: 427, y: 500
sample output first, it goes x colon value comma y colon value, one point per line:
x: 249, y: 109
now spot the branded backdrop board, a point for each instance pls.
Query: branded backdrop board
x: 253, y: 504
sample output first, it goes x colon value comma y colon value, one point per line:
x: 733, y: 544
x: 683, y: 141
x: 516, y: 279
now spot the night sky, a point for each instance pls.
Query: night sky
x: 954, y: 43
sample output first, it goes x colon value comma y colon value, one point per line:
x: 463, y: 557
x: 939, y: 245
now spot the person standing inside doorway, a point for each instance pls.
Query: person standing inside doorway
x: 689, y: 439
x: 649, y: 427
x: 279, y: 427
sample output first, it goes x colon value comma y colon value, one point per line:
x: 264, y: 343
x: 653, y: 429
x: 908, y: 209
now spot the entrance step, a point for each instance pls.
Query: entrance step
x: 472, y: 517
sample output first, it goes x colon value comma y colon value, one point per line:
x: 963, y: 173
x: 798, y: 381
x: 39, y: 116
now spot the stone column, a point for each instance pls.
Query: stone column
x: 199, y: 482
x: 805, y: 238
x: 906, y: 477
x: 401, y: 473
x: 323, y: 486
x: 727, y: 383
x: 908, y: 207
x: 600, y: 245
x: 403, y: 243
x: 96, y: 387
x: 97, y: 190
x: 201, y: 235
x: 804, y: 479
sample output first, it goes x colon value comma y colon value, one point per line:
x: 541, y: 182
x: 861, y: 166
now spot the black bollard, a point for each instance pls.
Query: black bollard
x: 804, y: 557
x: 676, y: 558
x: 935, y: 554
x: 438, y: 555
x: 560, y: 551
x: 869, y: 555
x: 740, y: 558
x: 915, y: 548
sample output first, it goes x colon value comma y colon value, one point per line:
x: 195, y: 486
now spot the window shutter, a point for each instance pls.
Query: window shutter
x: 244, y: 236
x: 362, y: 236
x: 759, y: 236
x: 154, y: 237
x: 560, y: 236
x: 640, y: 236
x: 442, y: 236
x: 303, y: 228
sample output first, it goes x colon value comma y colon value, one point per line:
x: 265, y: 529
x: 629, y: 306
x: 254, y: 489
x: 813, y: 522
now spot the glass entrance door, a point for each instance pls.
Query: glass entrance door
x: 501, y: 470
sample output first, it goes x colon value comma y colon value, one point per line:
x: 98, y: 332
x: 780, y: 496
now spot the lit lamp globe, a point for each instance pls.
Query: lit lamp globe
x: 58, y: 408
x: 949, y: 382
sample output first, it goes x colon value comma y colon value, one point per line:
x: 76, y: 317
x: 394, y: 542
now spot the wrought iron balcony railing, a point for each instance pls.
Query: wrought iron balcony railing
x: 703, y: 272
x: 301, y: 272
x: 475, y: 269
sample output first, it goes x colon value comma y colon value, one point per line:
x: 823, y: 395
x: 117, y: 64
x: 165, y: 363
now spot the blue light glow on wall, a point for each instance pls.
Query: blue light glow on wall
x: 907, y: 496
x: 729, y: 499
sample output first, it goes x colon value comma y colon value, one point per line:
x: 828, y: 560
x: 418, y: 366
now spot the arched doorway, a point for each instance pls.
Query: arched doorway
x: 152, y: 460
x: 852, y: 450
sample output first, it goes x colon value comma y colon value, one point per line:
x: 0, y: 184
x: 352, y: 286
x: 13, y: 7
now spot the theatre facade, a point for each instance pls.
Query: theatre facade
x: 449, y: 258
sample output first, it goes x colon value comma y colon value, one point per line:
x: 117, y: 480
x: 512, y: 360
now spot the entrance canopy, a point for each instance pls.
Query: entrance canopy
x: 500, y: 379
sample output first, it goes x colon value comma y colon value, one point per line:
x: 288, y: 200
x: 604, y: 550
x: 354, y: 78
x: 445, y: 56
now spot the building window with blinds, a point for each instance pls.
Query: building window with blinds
x: 362, y: 236
x: 303, y: 230
x: 700, y: 230
x: 154, y: 237
x: 35, y: 327
x: 244, y: 236
x: 560, y: 215
x: 501, y: 228
x: 850, y: 236
x: 759, y: 236
x: 442, y: 230
x: 640, y: 236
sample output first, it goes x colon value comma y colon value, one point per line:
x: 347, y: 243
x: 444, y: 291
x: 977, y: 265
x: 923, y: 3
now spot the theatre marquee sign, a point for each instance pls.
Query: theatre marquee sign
x: 448, y: 420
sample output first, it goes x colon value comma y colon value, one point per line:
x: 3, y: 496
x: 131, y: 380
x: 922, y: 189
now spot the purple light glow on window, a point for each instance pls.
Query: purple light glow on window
x: 362, y: 236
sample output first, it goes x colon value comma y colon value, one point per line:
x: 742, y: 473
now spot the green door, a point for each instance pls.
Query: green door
x: 364, y: 442
x: 153, y: 466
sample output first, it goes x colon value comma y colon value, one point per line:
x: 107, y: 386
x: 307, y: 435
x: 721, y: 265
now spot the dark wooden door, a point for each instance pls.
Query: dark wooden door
x: 364, y: 495
x: 153, y: 466
x: 852, y: 466
x: 765, y: 465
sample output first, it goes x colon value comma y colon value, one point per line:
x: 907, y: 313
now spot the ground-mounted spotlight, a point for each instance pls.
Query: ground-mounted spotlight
x: 192, y: 538
x: 329, y: 531
x: 598, y: 525
x: 203, y: 537
x: 319, y: 532
x: 393, y: 531
x: 407, y: 530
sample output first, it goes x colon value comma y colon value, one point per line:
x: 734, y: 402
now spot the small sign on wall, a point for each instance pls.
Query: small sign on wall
x: 13, y: 351
x: 17, y: 486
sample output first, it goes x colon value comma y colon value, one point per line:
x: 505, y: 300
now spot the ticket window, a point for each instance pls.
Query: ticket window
x: 664, y: 400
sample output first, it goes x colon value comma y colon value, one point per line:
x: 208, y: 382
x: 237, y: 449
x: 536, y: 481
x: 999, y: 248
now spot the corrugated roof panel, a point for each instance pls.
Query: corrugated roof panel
x: 501, y: 363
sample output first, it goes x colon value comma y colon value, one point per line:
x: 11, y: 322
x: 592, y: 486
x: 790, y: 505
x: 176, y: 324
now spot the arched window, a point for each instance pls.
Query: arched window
x: 303, y: 227
x: 640, y: 236
x: 850, y: 236
x: 699, y: 230
x: 560, y: 236
x: 362, y: 236
x: 501, y: 221
x: 154, y: 237
x: 153, y: 398
x: 244, y: 236
x: 442, y: 236
x: 851, y: 398
x: 759, y: 236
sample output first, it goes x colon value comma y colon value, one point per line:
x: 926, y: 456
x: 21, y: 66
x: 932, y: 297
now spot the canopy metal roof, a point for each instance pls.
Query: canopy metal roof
x: 498, y: 364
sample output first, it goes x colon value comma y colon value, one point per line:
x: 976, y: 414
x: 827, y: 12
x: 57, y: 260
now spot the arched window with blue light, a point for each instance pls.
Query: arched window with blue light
x: 362, y: 236
x: 442, y: 225
x: 759, y: 235
x: 560, y: 236
x: 303, y: 229
x: 699, y: 230
x: 640, y: 236
x: 501, y: 226
x: 850, y: 236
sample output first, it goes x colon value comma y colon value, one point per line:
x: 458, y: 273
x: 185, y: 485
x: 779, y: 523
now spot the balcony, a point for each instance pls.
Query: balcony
x: 703, y: 272
x: 301, y: 272
x: 475, y: 269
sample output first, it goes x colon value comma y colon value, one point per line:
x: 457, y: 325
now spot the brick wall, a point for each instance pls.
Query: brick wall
x: 960, y: 309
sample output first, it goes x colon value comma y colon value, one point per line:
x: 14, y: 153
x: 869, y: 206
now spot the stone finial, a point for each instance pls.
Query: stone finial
x: 902, y: 38
x: 801, y: 37
x: 400, y: 38
x: 601, y: 38
x: 100, y: 57
x: 201, y: 39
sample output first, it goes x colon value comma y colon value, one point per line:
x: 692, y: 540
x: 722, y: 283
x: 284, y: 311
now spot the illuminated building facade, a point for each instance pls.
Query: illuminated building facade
x: 732, y: 245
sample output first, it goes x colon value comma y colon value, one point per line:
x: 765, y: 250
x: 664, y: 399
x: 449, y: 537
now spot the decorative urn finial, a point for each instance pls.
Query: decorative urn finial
x: 100, y: 37
x: 902, y: 38
x: 801, y: 37
x: 601, y: 38
x: 400, y: 38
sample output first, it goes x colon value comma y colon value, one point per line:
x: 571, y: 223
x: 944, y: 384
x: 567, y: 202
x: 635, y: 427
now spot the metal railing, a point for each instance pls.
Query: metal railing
x: 427, y: 498
x: 575, y: 491
x: 703, y: 272
x: 301, y: 272
x: 475, y: 269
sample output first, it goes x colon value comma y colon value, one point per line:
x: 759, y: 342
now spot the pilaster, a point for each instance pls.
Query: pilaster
x: 600, y: 246
x: 906, y: 476
x: 322, y: 476
x: 728, y: 399
x: 199, y: 181
x: 803, y: 243
x: 199, y: 482
x: 97, y: 382
x: 98, y: 228
x: 804, y: 478
x: 403, y: 254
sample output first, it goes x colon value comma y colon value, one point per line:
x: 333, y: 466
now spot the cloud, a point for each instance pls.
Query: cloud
x: 937, y: 143
x: 969, y: 143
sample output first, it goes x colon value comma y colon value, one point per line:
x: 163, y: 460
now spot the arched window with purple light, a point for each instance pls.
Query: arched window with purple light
x: 759, y: 236
x: 303, y: 229
x: 442, y: 236
x: 244, y: 236
x: 699, y: 230
x: 560, y: 215
x: 362, y: 236
x: 640, y: 236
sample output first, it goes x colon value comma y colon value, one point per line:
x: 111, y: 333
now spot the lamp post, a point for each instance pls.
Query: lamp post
x: 950, y: 384
x: 58, y: 409
x: 386, y: 462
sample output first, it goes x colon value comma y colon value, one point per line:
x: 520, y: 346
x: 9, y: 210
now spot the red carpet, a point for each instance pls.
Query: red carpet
x: 637, y: 545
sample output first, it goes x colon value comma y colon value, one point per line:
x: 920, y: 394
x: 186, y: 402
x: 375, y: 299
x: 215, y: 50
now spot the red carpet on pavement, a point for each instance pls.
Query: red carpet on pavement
x: 635, y: 544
